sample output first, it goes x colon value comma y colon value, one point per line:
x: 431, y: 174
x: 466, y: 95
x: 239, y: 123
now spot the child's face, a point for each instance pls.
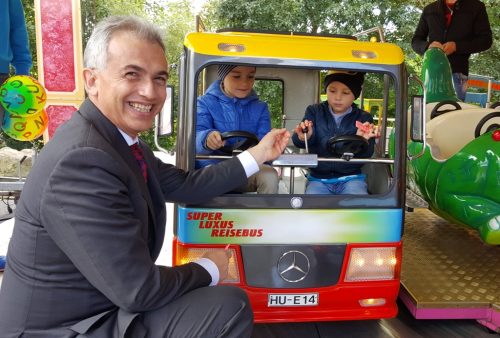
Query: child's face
x: 339, y: 97
x: 239, y: 82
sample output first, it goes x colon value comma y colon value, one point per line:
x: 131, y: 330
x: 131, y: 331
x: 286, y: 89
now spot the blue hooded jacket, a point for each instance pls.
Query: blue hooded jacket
x: 216, y: 111
x: 324, y: 128
x: 14, y: 44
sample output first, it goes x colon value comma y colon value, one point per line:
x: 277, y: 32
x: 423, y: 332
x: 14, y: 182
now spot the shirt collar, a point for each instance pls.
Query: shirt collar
x: 127, y: 137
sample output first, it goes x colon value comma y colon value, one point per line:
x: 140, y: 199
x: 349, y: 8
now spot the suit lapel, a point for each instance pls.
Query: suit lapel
x: 109, y: 131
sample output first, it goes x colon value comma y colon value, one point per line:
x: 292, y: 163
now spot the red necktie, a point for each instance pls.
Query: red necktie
x: 139, y: 156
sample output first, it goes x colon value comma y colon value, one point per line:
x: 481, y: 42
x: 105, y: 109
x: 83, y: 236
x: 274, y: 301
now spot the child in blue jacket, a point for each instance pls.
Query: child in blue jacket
x: 231, y: 104
x: 335, y: 117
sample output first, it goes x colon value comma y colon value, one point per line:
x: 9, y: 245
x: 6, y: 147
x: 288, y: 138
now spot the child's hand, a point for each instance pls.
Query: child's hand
x: 306, y: 126
x: 214, y: 140
x: 367, y: 130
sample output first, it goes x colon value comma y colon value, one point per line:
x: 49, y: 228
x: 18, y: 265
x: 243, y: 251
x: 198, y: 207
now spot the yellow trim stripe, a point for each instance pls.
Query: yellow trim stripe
x: 318, y: 48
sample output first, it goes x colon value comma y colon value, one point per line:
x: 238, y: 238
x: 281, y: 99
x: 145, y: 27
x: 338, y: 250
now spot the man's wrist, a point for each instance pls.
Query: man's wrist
x: 248, y: 162
x: 211, y: 268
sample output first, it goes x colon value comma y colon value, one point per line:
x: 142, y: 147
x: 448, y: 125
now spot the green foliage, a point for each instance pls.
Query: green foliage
x: 271, y: 92
x: 397, y: 17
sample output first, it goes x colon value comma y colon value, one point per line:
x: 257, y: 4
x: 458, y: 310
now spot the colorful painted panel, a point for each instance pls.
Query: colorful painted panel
x: 266, y: 226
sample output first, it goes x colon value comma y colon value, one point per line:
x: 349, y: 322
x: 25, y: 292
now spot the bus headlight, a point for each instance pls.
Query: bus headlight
x: 371, y: 264
x: 187, y: 254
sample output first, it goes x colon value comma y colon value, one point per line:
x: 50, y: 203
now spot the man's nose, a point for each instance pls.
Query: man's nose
x: 147, y: 88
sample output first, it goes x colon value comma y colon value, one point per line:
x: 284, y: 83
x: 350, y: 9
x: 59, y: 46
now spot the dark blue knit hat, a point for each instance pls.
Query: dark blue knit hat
x: 353, y: 80
x: 224, y: 70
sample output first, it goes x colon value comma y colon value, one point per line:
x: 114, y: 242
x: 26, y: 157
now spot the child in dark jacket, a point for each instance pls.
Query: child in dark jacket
x: 337, y: 116
x: 231, y: 104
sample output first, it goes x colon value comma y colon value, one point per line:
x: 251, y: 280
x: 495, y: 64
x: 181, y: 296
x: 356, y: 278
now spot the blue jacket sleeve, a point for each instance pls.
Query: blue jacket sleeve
x: 19, y: 39
x: 204, y: 126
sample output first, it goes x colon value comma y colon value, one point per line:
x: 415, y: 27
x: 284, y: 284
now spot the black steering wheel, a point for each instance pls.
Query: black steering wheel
x: 354, y: 144
x: 495, y: 105
x: 435, y: 112
x: 248, y: 140
x: 483, y: 121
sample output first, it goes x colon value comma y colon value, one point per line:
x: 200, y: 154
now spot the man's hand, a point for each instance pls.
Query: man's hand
x: 221, y: 259
x: 436, y: 44
x: 214, y: 140
x: 449, y: 47
x: 271, y: 146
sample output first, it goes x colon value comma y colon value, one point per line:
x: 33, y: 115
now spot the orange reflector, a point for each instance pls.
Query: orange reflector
x: 186, y: 255
x: 229, y: 47
x: 372, y: 302
x: 364, y: 54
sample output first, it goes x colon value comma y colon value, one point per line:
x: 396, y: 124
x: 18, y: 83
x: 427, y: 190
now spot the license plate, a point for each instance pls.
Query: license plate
x: 294, y: 299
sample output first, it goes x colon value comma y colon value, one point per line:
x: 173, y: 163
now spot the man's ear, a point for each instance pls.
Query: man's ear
x: 90, y: 81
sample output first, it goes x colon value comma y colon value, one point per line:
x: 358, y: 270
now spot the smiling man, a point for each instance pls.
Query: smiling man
x: 90, y: 222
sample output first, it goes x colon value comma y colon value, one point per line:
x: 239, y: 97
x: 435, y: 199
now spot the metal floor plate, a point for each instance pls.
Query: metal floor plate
x: 448, y: 266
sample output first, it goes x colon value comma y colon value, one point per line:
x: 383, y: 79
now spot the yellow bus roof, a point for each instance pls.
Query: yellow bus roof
x: 302, y: 47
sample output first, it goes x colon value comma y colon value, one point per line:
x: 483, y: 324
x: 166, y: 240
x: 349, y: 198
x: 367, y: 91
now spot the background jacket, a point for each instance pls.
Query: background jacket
x: 88, y: 231
x: 469, y: 28
x: 324, y: 128
x: 14, y: 44
x: 216, y: 111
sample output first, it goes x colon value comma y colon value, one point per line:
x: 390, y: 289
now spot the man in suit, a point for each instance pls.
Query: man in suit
x: 458, y: 27
x: 91, y: 221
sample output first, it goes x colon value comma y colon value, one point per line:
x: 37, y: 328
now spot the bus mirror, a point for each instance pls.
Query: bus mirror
x: 166, y: 116
x: 417, y: 132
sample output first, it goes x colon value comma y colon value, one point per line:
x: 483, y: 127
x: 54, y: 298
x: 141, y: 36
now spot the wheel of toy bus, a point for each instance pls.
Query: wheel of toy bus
x: 483, y: 121
x: 435, y: 112
x: 248, y: 140
x: 347, y: 144
x: 495, y: 105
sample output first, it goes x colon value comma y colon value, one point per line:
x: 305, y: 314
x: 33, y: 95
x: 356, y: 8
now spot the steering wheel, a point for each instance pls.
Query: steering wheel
x: 435, y: 111
x: 483, y: 121
x: 494, y: 105
x: 349, y: 144
x: 248, y: 140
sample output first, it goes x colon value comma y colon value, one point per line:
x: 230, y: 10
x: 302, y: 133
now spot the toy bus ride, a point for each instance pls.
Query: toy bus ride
x: 302, y: 257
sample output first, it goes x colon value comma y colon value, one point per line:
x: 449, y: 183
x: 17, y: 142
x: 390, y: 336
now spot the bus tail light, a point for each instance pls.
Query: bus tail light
x: 374, y: 263
x: 187, y: 254
x: 370, y: 302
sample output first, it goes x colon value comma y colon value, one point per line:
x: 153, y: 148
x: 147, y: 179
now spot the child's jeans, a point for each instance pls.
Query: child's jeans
x: 352, y: 187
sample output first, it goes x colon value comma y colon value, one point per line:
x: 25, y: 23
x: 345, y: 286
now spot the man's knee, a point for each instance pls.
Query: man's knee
x: 234, y: 298
x: 237, y: 311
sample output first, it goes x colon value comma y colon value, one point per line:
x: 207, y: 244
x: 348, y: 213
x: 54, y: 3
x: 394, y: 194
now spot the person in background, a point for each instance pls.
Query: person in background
x: 90, y: 222
x: 460, y: 28
x: 336, y: 116
x: 231, y: 104
x: 14, y: 49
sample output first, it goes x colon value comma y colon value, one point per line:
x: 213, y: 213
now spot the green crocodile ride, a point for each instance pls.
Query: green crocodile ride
x: 458, y: 173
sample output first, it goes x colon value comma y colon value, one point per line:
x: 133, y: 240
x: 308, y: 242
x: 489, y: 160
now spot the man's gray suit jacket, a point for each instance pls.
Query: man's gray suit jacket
x: 88, y: 231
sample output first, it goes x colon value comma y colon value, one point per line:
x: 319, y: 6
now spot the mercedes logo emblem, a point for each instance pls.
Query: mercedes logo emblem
x: 293, y: 266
